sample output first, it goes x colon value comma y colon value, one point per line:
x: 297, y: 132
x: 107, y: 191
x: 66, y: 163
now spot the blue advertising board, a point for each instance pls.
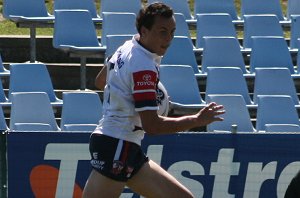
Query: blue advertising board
x: 52, y: 164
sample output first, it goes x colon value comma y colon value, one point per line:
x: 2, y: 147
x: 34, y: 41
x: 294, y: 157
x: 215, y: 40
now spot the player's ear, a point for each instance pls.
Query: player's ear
x: 144, y: 31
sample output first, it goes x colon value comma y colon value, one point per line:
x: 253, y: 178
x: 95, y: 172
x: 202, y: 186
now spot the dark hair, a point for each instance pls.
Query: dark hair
x: 147, y: 15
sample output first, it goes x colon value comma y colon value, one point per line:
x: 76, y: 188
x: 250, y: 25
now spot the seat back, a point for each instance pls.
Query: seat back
x: 30, y: 77
x: 80, y: 108
x: 295, y: 31
x: 115, y: 23
x: 180, y: 52
x: 275, y: 109
x: 182, y: 28
x: 282, y: 128
x: 253, y: 7
x: 32, y: 108
x: 216, y: 6
x: 270, y: 51
x: 3, y: 70
x: 77, y: 5
x: 29, y: 8
x: 113, y: 42
x: 230, y: 49
x: 274, y: 81
x: 131, y: 6
x: 3, y: 97
x: 227, y: 80
x: 178, y: 6
x: 3, y: 125
x: 236, y: 113
x: 293, y: 8
x: 260, y: 25
x: 214, y: 24
x: 180, y: 83
x: 74, y: 28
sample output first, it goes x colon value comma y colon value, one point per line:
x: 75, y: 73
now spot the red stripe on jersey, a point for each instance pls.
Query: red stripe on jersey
x: 144, y: 80
x: 144, y: 96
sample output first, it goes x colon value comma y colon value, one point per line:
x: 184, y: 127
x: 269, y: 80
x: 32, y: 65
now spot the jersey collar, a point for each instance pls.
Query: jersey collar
x: 154, y: 56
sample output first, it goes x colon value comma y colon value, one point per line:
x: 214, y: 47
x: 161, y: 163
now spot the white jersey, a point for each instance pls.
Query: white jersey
x: 131, y: 87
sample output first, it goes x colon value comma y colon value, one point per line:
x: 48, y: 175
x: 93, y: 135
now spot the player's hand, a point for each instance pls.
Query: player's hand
x: 210, y: 113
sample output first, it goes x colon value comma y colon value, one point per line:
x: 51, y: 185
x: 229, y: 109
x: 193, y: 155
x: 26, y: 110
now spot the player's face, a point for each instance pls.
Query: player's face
x: 159, y: 37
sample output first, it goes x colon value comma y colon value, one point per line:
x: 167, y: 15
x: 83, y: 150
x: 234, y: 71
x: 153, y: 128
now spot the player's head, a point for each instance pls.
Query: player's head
x: 156, y: 25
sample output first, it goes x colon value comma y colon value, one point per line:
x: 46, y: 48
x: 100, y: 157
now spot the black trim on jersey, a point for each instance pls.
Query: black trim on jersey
x: 145, y: 103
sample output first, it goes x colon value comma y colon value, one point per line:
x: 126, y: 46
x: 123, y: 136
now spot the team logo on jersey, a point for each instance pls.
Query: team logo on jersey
x: 120, y: 62
x: 117, y: 167
x: 160, y: 96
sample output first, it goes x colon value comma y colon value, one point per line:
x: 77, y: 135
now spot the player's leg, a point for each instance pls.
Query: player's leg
x: 153, y: 181
x: 98, y: 185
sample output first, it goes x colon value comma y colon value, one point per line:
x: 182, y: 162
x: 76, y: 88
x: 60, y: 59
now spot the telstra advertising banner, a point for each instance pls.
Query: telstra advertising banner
x: 56, y: 164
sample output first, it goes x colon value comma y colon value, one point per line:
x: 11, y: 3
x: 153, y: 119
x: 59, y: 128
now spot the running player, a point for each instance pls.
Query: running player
x: 130, y: 110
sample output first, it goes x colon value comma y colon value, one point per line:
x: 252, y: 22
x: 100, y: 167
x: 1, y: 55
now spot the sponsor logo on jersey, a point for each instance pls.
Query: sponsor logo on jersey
x: 144, y: 80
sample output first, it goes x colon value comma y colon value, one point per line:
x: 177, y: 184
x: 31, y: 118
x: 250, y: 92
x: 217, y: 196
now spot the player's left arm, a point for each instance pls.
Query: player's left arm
x: 155, y: 124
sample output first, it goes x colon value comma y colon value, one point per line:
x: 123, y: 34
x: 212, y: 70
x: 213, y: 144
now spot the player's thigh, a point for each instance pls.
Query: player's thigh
x: 98, y: 185
x: 153, y: 181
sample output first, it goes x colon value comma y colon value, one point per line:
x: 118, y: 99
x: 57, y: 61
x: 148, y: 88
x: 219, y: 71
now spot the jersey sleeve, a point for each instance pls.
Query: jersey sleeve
x: 144, y: 90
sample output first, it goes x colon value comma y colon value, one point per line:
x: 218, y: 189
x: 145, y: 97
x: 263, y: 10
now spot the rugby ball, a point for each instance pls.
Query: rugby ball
x: 162, y: 100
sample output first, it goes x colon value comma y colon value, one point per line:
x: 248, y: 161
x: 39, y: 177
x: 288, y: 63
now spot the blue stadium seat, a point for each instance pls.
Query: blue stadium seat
x: 30, y: 14
x: 253, y: 7
x: 75, y: 30
x: 78, y: 5
x: 275, y: 109
x: 236, y: 113
x: 274, y: 81
x: 3, y: 99
x: 230, y: 49
x: 75, y: 33
x: 131, y: 6
x: 179, y: 6
x: 293, y: 8
x: 115, y: 23
x: 182, y: 87
x: 115, y: 41
x: 182, y: 28
x: 295, y: 32
x: 3, y: 70
x: 31, y: 77
x: 282, y: 128
x: 180, y: 52
x: 19, y: 10
x: 80, y: 111
x: 216, y: 6
x: 270, y: 51
x: 260, y: 25
x: 3, y: 125
x: 32, y: 111
x: 214, y: 24
x: 227, y: 80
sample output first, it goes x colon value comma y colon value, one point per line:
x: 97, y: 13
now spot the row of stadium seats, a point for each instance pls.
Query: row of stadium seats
x: 179, y: 81
x: 38, y: 8
x: 212, y: 24
x: 81, y: 111
x: 32, y: 111
x: 183, y: 88
x: 76, y: 44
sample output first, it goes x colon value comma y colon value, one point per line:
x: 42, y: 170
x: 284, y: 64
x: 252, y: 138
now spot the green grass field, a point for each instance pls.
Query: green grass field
x: 9, y: 28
